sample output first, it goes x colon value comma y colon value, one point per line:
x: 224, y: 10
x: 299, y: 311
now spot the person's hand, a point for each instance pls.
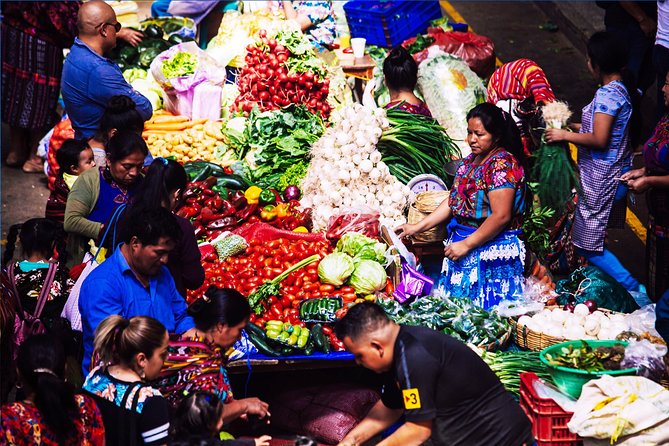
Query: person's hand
x: 555, y: 135
x: 639, y: 185
x: 132, y: 36
x: 633, y: 174
x: 191, y: 333
x: 263, y: 440
x: 254, y: 406
x: 405, y: 230
x: 648, y: 26
x: 456, y: 251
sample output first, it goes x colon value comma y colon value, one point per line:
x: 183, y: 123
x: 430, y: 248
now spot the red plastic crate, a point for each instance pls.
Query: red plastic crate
x: 549, y: 421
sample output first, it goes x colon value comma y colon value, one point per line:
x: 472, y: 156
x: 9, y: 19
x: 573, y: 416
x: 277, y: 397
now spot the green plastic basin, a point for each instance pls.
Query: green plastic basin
x: 571, y: 381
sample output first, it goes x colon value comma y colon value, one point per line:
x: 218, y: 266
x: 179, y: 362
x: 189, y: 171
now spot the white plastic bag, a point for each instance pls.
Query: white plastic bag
x: 179, y: 93
x: 71, y: 308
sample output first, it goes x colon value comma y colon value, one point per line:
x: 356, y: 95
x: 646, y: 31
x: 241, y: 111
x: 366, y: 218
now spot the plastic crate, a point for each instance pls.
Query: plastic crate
x: 389, y: 23
x: 549, y: 421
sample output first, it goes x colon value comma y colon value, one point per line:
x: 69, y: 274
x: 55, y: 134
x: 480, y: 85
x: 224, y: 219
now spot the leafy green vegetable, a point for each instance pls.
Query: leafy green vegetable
x: 276, y: 140
x: 293, y: 176
x: 368, y: 277
x: 458, y: 317
x: 303, y: 57
x: 181, y: 64
x: 361, y: 247
x: 536, y: 228
x: 132, y: 74
x: 420, y: 44
x: 335, y: 268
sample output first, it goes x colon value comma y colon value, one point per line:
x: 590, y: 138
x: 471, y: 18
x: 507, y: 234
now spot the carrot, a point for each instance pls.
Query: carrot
x: 535, y: 268
x: 164, y: 119
x: 173, y: 125
x: 147, y: 133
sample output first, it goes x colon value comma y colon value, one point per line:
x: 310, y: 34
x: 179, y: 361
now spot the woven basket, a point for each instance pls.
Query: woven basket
x: 426, y: 203
x: 501, y: 343
x: 537, y: 341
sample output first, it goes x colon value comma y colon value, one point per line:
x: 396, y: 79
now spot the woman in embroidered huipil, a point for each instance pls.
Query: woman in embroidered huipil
x: 484, y: 257
x: 604, y: 155
x: 197, y: 363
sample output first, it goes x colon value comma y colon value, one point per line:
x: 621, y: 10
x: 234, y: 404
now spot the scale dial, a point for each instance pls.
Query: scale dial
x: 426, y: 183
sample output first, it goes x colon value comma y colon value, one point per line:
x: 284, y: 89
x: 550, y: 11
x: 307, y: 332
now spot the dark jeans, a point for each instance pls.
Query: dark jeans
x: 661, y: 64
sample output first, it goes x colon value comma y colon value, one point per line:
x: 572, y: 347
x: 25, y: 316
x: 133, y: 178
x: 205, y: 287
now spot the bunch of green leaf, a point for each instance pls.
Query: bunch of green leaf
x: 458, y: 317
x: 420, y: 43
x: 302, y: 58
x: 536, y: 228
x: 276, y: 140
x: 556, y: 175
x: 293, y: 175
x: 181, y: 64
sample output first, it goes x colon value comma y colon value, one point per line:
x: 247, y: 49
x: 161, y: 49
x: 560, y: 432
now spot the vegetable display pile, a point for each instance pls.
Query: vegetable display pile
x: 415, y: 144
x: 167, y: 135
x: 142, y: 81
x: 458, y: 317
x: 274, y: 141
x: 283, y: 70
x: 588, y: 359
x: 223, y: 202
x: 509, y: 365
x: 285, y: 339
x: 181, y: 64
x: 347, y: 171
x: 153, y: 43
x: 576, y: 322
x: 357, y: 261
x: 450, y: 89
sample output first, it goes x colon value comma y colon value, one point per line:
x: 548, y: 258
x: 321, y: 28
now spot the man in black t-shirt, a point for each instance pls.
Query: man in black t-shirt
x: 445, y: 391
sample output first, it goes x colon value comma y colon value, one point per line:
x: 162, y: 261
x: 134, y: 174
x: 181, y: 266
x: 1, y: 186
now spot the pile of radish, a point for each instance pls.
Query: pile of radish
x: 275, y: 76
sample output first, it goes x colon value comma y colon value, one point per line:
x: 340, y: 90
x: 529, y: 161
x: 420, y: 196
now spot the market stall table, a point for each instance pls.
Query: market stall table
x: 362, y: 69
x: 262, y: 363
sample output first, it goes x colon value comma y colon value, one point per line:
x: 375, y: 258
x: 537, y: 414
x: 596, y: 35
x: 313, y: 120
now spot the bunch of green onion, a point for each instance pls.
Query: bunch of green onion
x: 414, y: 145
x: 509, y: 365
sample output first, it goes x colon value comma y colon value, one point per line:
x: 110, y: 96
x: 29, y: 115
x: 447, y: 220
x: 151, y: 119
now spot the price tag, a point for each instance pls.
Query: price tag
x: 411, y: 399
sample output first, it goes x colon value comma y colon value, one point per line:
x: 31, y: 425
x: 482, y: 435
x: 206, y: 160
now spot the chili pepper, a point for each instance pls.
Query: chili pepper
x: 215, y: 203
x: 208, y: 193
x: 253, y: 219
x: 238, y: 199
x: 267, y: 197
x: 277, y: 196
x: 282, y: 210
x: 227, y: 208
x: 252, y: 194
x: 210, y: 182
x: 245, y: 213
x: 192, y: 191
x: 222, y: 222
x: 290, y: 223
x: 200, y: 232
x: 268, y: 213
x: 187, y: 212
x: 228, y: 170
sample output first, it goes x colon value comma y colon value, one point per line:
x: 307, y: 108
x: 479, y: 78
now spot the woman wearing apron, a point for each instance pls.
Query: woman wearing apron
x: 604, y: 155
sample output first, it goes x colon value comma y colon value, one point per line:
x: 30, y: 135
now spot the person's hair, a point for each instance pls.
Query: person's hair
x: 41, y: 363
x: 68, y: 154
x: 219, y: 305
x: 400, y: 70
x: 39, y: 236
x: 502, y: 127
x: 125, y: 143
x: 197, y: 414
x: 118, y: 340
x: 164, y: 177
x: 301, y: 440
x: 361, y: 319
x: 609, y: 54
x: 149, y: 225
x: 121, y: 114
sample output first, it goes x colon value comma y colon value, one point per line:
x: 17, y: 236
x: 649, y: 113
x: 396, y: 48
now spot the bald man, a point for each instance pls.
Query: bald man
x: 89, y: 79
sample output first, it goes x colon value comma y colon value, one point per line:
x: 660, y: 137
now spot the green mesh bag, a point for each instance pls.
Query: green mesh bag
x: 590, y: 282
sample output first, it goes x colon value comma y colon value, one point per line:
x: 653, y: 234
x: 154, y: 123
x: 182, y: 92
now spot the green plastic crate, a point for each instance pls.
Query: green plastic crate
x: 571, y: 381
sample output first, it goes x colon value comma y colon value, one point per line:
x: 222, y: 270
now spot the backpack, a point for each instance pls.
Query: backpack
x: 26, y: 324
x: 125, y: 420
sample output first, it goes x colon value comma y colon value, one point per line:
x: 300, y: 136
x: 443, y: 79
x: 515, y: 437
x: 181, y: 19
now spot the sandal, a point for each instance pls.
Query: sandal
x: 13, y: 160
x: 34, y: 165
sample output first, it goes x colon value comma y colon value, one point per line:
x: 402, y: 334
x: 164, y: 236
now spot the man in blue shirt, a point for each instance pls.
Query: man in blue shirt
x: 89, y: 79
x: 134, y: 281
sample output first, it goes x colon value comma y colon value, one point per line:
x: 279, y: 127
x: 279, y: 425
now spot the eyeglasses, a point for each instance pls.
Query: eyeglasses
x: 117, y: 26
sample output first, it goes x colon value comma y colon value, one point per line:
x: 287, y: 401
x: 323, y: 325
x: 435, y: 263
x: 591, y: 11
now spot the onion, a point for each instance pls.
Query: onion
x: 569, y: 307
x: 291, y: 193
x: 591, y: 304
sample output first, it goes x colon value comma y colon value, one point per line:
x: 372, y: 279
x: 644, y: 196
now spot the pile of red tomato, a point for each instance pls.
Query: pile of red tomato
x: 264, y: 260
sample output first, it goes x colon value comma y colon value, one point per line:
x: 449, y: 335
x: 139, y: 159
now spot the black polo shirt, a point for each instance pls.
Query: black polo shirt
x: 436, y: 377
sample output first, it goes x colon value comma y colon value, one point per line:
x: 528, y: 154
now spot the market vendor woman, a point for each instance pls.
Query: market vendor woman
x: 445, y: 391
x: 483, y: 255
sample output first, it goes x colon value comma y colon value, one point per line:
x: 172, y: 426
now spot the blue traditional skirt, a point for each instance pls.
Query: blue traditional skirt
x: 487, y: 275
